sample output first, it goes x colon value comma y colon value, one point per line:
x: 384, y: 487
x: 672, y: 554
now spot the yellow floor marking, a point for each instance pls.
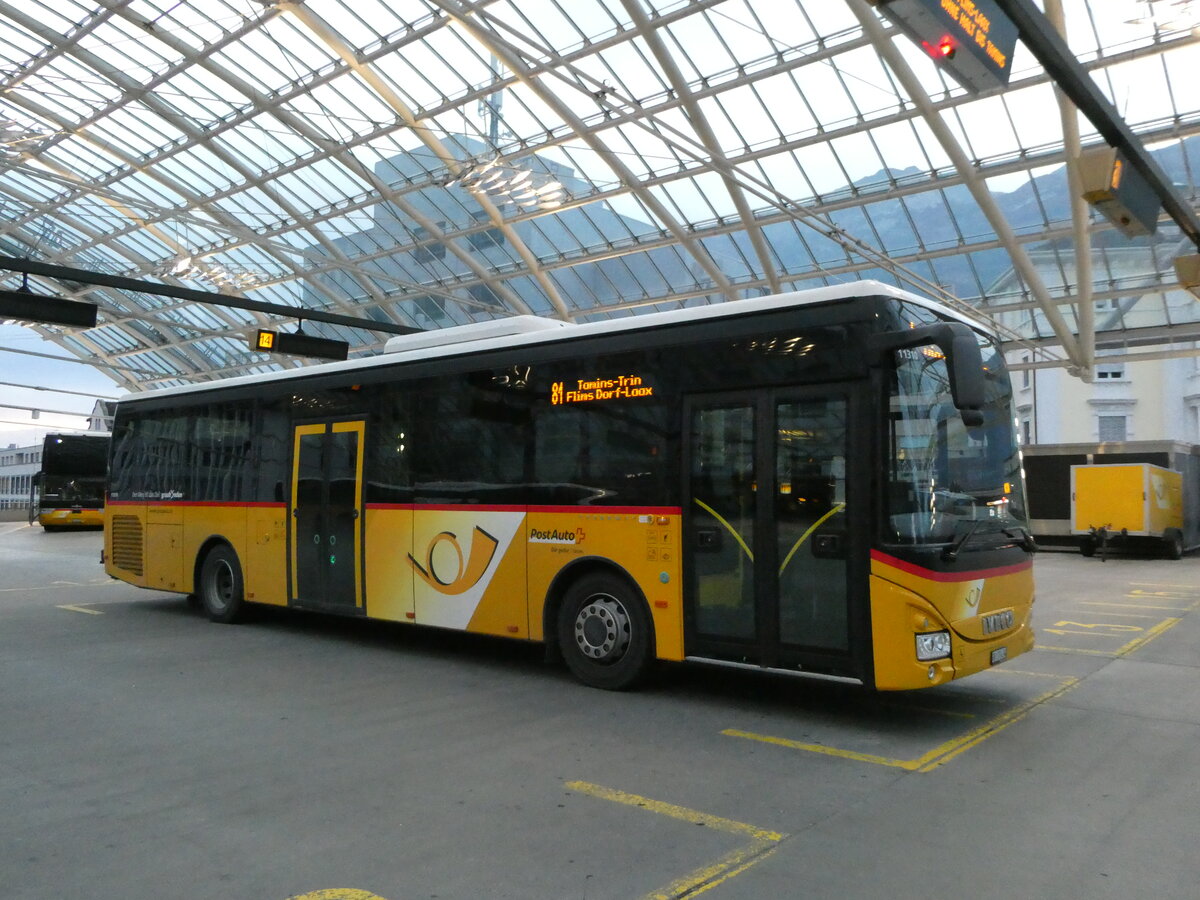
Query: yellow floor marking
x: 83, y: 609
x: 939, y: 755
x: 1159, y: 629
x: 1097, y: 634
x: 1132, y: 646
x: 762, y: 842
x: 1053, y: 649
x: 1008, y: 670
x: 337, y: 894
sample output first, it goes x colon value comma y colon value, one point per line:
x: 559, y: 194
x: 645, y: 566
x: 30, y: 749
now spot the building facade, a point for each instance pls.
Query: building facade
x: 18, y: 466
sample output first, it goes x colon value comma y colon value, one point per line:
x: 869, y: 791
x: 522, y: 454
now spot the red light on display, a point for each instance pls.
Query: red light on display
x: 946, y: 48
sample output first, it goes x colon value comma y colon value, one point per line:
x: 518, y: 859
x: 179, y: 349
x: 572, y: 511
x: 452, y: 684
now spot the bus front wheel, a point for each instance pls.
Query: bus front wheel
x: 605, y: 632
x: 221, y: 588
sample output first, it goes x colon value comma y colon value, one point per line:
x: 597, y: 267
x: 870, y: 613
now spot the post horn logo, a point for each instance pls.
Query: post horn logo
x: 469, y: 569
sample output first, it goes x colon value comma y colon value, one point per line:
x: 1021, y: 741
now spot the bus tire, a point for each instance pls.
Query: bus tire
x: 605, y: 632
x: 221, y: 586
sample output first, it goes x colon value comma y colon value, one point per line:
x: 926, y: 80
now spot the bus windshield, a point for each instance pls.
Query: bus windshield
x: 947, y: 481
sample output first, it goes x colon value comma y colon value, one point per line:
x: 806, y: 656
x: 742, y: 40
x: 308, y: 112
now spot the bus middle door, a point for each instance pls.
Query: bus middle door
x: 326, y: 515
x: 767, y: 546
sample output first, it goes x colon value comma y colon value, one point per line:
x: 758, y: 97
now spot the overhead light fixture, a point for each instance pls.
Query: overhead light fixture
x: 1168, y: 15
x: 17, y: 137
x: 28, y: 308
x: 215, y: 274
x: 503, y: 183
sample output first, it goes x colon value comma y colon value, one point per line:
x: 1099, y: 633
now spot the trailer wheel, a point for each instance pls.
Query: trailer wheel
x: 1173, y: 544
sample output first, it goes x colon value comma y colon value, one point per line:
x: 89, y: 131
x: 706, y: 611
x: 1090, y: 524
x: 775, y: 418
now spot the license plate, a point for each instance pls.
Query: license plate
x: 999, y: 655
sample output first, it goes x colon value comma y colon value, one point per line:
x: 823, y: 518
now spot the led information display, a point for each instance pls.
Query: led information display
x: 622, y: 387
x: 299, y: 345
x: 972, y: 39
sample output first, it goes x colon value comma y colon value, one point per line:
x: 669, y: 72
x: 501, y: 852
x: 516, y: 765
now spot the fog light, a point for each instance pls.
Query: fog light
x: 935, y: 645
x: 932, y: 672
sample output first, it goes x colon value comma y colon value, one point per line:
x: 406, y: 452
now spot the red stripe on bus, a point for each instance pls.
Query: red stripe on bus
x: 226, y: 503
x: 432, y: 507
x: 931, y: 575
x: 586, y: 510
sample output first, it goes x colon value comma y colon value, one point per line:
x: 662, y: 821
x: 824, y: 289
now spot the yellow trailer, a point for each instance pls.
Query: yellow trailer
x: 1138, y: 503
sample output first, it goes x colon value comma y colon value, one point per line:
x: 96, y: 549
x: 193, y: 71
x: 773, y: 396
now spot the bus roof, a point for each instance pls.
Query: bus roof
x: 495, y: 335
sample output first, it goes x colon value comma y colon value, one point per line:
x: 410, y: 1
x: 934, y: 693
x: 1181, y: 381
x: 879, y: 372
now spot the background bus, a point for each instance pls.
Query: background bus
x: 69, y: 489
x: 823, y: 483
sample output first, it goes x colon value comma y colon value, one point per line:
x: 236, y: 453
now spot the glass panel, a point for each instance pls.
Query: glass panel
x: 342, y: 452
x: 948, y: 482
x: 309, y: 540
x: 723, y: 495
x: 810, y: 468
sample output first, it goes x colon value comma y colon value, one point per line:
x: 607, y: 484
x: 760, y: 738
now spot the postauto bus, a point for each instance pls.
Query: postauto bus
x: 823, y: 483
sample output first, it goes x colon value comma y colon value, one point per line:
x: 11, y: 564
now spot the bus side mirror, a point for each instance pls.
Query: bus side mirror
x: 964, y: 363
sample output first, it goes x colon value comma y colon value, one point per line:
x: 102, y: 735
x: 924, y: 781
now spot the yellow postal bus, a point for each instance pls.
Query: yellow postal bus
x: 70, y: 485
x: 824, y: 483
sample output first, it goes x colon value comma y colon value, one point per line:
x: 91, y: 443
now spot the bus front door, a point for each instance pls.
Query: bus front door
x: 766, y: 538
x: 326, y: 515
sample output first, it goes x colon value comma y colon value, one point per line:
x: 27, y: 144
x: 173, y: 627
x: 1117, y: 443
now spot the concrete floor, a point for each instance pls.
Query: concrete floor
x: 146, y: 753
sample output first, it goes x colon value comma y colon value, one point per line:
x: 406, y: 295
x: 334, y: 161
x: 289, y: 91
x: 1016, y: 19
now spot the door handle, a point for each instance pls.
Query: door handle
x: 829, y: 546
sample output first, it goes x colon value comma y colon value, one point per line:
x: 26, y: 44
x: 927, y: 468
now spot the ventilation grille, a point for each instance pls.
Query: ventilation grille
x: 127, y: 543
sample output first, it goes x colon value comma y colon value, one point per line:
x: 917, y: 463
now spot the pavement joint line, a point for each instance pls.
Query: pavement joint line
x: 1138, y: 606
x: 1187, y: 587
x: 934, y: 711
x: 940, y: 754
x: 58, y: 586
x: 763, y: 841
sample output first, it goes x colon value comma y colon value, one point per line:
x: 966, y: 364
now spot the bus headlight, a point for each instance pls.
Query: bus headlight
x: 935, y: 645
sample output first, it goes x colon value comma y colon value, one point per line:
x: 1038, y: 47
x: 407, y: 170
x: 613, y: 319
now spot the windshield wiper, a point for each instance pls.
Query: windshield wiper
x: 951, y: 551
x: 1024, y: 535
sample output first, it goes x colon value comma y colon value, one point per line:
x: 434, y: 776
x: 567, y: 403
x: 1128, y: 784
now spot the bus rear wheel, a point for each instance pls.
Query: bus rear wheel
x: 221, y: 586
x: 605, y: 632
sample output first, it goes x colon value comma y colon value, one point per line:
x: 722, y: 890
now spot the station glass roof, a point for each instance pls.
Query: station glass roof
x: 438, y: 162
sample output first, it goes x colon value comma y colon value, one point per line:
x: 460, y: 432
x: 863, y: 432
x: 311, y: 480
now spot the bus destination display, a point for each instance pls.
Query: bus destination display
x: 590, y: 390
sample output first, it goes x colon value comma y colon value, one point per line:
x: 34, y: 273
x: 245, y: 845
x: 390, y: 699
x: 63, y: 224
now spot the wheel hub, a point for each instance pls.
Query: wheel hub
x: 221, y: 588
x: 602, y: 629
